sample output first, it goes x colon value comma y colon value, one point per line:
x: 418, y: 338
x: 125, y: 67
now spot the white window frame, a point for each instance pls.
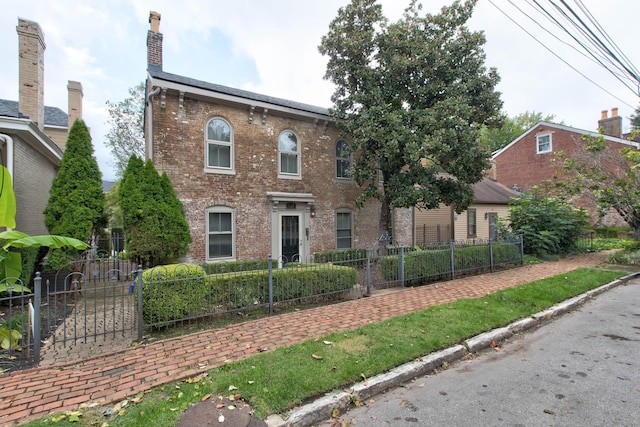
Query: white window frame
x: 224, y: 210
x: 343, y: 159
x: 539, y: 141
x: 350, y: 213
x: 289, y: 175
x: 219, y: 169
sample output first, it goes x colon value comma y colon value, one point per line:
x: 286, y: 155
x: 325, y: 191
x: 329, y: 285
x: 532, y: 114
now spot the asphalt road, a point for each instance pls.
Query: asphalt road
x: 582, y: 369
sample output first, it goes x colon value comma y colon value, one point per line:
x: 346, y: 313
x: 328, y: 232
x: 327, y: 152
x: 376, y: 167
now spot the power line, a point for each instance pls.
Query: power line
x: 555, y: 54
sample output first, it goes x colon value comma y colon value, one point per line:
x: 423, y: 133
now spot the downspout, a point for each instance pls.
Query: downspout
x: 9, y: 141
x: 148, y: 138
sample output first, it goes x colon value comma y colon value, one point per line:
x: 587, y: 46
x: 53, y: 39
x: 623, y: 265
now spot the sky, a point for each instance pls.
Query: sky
x: 271, y: 47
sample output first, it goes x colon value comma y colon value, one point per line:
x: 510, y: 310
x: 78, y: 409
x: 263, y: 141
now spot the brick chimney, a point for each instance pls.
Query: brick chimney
x: 31, y: 49
x: 75, y: 94
x: 154, y: 43
x: 611, y: 126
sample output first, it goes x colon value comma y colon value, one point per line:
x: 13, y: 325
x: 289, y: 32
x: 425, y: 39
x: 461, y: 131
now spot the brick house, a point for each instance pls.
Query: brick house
x: 32, y: 135
x: 528, y: 160
x: 257, y: 175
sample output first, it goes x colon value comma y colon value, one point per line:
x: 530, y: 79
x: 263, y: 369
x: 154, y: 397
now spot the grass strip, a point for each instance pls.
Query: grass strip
x: 275, y: 381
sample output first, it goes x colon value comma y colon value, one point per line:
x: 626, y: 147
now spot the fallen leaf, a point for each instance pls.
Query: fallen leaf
x: 327, y: 342
x: 231, y: 407
x: 403, y: 402
x: 220, y: 405
x: 493, y: 344
x: 221, y: 419
x: 205, y: 397
x: 315, y: 356
x: 421, y: 385
x: 232, y: 387
x: 335, y: 413
x: 549, y: 411
x: 58, y: 418
x: 250, y: 382
x: 442, y: 392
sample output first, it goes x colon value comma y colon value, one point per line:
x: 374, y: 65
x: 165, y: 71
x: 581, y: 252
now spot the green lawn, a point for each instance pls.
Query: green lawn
x: 275, y: 381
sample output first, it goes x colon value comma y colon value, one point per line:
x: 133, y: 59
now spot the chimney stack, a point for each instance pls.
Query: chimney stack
x: 611, y: 126
x: 75, y: 94
x: 154, y: 43
x: 31, y: 49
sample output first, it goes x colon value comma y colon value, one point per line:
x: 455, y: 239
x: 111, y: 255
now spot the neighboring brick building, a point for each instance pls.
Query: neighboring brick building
x: 32, y: 134
x: 529, y: 159
x: 256, y: 175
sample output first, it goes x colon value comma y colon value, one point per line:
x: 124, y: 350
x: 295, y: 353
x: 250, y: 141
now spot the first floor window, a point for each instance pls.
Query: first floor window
x: 471, y: 223
x: 220, y: 235
x: 344, y: 230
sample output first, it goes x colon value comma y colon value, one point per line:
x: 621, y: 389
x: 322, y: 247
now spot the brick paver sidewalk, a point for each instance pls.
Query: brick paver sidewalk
x: 34, y: 393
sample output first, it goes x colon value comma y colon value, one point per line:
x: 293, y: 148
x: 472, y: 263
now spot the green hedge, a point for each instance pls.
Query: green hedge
x: 347, y: 257
x: 176, y: 292
x: 233, y: 266
x: 423, y: 266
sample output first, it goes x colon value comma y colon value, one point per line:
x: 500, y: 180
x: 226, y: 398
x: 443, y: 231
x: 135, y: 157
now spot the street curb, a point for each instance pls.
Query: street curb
x: 322, y: 409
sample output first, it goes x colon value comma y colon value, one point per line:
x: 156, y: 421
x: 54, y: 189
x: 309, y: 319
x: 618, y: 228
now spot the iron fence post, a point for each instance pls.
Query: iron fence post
x: 453, y: 262
x: 368, y: 272
x: 140, y: 314
x: 491, y: 253
x: 401, y: 266
x: 270, y: 268
x: 521, y: 249
x: 37, y: 296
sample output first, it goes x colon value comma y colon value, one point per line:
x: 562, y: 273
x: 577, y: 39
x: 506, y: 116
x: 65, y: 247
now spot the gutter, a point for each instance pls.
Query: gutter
x: 148, y: 137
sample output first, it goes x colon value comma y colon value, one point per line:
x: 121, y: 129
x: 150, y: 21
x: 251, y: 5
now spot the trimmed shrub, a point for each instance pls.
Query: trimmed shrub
x: 184, y: 291
x: 233, y: 266
x: 347, y: 257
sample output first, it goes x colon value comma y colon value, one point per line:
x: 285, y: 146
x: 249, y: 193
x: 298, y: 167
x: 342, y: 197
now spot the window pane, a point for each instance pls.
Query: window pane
x: 342, y: 168
x: 289, y: 163
x: 219, y: 130
x: 342, y: 149
x: 343, y: 230
x: 288, y: 141
x: 343, y: 243
x: 220, y: 245
x: 343, y: 220
x: 219, y: 222
x: 219, y: 156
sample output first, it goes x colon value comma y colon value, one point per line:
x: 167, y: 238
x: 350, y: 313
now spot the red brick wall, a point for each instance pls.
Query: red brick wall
x: 178, y: 150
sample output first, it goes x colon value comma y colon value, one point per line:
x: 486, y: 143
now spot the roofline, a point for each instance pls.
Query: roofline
x: 30, y: 132
x: 248, y: 99
x: 568, y: 129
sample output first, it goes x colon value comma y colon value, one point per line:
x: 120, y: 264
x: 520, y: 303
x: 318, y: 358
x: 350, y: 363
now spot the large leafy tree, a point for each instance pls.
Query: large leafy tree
x: 76, y: 206
x: 495, y: 138
x: 411, y: 97
x: 156, y: 231
x: 635, y: 119
x: 126, y: 133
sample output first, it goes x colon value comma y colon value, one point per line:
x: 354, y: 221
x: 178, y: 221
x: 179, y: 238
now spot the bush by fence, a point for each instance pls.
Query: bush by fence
x: 176, y: 293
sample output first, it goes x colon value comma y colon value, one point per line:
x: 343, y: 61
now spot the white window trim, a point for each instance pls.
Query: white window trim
x: 298, y: 153
x: 343, y: 211
x: 217, y: 169
x: 538, y: 137
x: 221, y: 209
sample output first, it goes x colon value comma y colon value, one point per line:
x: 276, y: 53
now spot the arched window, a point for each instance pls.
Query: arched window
x: 221, y: 239
x: 219, y: 145
x: 289, y: 155
x: 343, y: 159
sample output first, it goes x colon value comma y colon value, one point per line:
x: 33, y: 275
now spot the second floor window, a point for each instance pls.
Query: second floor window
x: 288, y: 154
x: 543, y: 143
x: 343, y: 159
x: 219, y: 144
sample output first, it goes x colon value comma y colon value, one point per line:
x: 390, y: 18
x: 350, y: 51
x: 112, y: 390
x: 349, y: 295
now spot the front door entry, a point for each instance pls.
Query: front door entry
x: 290, y: 239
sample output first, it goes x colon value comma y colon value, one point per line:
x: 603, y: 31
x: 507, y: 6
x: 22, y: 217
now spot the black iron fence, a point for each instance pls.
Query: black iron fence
x: 105, y: 296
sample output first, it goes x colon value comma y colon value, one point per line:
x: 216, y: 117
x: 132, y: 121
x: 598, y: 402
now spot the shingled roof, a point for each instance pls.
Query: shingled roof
x: 251, y: 96
x: 53, y: 116
x: 492, y: 192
